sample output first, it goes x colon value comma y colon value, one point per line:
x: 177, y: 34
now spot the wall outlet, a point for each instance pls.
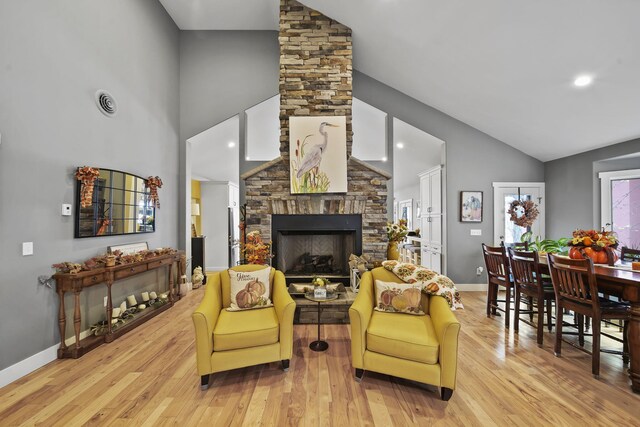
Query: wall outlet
x: 475, y: 232
x: 66, y: 209
x: 479, y: 271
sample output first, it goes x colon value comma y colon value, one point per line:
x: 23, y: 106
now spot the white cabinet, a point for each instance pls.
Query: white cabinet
x: 431, y: 258
x: 432, y: 219
x: 220, y: 216
x: 431, y: 191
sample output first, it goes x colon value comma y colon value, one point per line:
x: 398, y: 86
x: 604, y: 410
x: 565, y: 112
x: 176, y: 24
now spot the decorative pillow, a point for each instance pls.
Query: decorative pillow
x: 249, y: 289
x: 394, y: 297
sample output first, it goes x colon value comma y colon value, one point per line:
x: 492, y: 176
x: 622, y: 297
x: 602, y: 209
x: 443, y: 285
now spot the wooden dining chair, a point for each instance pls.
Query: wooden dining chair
x: 574, y: 282
x: 498, y: 275
x: 528, y: 280
x: 629, y: 255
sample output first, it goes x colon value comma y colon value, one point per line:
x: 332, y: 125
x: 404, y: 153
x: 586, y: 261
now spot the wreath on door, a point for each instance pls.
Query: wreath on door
x: 523, y: 212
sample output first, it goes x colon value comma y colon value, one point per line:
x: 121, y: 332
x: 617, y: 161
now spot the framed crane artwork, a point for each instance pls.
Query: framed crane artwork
x: 318, y: 154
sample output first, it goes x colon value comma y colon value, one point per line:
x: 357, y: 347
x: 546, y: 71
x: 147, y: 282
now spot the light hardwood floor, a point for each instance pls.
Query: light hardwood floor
x: 148, y: 377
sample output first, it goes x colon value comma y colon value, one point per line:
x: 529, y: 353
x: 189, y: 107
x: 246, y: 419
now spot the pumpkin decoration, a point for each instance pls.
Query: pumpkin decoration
x: 386, y: 297
x: 412, y: 296
x: 247, y: 299
x: 256, y: 286
x: 597, y: 245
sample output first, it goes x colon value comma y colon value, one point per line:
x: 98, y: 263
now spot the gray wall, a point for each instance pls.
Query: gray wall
x: 223, y: 73
x: 573, y: 187
x: 54, y: 55
x: 474, y: 160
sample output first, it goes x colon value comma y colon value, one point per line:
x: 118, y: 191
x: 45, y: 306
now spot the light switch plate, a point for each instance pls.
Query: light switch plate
x: 66, y: 209
x: 27, y: 248
x: 475, y: 232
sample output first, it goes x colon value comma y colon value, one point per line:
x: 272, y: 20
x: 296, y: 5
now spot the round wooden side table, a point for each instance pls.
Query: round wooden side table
x: 320, y: 345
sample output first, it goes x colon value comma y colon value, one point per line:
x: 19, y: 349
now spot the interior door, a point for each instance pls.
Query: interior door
x: 503, y: 195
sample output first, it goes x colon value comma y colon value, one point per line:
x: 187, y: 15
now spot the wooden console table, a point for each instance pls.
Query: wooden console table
x: 67, y: 282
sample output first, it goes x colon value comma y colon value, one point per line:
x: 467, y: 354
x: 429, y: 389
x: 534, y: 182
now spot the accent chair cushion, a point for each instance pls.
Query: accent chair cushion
x: 249, y: 289
x: 246, y: 328
x: 405, y: 337
x: 393, y: 297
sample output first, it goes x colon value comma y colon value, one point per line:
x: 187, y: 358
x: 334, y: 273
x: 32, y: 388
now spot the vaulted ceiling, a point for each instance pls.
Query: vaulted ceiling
x: 504, y: 67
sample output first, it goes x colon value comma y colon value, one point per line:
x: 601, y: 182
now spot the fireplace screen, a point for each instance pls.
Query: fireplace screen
x: 305, y: 254
x: 315, y: 245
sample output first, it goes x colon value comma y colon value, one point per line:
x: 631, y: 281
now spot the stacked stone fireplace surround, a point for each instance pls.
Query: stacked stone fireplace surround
x: 316, y: 80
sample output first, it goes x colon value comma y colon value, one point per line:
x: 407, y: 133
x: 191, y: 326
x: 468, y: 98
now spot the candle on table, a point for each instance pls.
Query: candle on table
x: 145, y: 296
x: 123, y: 307
x: 115, y: 312
x: 131, y: 300
x: 153, y: 295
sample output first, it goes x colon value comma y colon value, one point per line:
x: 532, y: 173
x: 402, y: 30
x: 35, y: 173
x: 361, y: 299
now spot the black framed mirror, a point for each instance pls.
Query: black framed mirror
x: 120, y: 204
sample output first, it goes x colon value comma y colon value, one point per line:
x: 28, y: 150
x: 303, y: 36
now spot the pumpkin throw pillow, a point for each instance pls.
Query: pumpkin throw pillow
x: 249, y: 289
x: 394, y: 297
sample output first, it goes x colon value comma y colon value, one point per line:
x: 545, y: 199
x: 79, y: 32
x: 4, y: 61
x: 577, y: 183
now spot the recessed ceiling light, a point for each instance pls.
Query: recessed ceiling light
x: 400, y: 145
x: 583, y: 80
x: 247, y: 158
x: 231, y: 144
x: 384, y: 159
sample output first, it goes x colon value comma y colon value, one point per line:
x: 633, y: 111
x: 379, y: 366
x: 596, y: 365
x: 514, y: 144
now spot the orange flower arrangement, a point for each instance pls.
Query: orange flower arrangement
x: 256, y: 251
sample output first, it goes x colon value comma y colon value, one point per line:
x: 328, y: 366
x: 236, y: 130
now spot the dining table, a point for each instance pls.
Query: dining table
x: 621, y: 281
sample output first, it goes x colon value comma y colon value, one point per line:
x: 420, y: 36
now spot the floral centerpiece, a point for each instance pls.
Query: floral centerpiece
x: 395, y: 233
x: 597, y: 245
x: 319, y: 281
x: 255, y: 250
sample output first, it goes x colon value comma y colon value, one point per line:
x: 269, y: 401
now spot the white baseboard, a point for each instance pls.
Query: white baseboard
x: 28, y: 365
x: 471, y: 287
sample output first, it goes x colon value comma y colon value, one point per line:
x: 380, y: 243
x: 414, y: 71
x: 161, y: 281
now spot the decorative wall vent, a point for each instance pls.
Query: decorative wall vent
x: 106, y: 103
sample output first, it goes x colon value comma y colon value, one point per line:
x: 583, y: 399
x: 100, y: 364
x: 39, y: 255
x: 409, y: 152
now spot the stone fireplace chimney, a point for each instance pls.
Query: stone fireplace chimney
x: 316, y: 80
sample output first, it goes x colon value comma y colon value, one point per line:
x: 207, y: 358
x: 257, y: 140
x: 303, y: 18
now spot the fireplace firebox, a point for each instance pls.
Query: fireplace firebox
x: 315, y: 245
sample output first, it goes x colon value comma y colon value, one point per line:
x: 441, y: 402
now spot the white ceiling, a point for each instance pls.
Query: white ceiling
x: 504, y: 67
x: 414, y: 151
x: 212, y: 159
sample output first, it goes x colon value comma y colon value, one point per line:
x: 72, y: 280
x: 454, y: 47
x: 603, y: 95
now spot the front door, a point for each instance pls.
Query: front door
x: 504, y: 193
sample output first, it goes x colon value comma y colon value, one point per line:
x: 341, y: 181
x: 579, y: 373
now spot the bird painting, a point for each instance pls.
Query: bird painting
x: 309, y: 173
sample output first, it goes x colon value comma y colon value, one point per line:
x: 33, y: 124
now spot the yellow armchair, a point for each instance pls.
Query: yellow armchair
x: 234, y: 339
x: 418, y: 348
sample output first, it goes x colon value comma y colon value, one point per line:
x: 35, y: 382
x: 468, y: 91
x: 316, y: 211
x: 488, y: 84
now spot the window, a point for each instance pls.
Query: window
x: 620, y: 203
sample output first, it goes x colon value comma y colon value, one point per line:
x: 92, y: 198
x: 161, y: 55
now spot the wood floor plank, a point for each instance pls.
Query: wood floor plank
x: 149, y: 377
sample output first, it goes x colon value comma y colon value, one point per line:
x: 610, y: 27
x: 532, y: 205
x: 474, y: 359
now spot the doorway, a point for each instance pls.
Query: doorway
x: 504, y: 193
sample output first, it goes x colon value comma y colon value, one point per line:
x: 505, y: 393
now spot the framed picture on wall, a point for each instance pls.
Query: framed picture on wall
x: 318, y: 154
x: 471, y: 206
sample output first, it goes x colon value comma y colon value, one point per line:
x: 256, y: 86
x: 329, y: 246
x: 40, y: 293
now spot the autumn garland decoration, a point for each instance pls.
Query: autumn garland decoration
x: 87, y: 176
x: 153, y: 183
x: 523, y: 212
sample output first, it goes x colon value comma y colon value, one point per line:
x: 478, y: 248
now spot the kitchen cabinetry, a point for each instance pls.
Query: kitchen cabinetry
x: 432, y: 219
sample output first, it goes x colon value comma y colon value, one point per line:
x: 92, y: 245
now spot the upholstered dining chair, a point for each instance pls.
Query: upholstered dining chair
x: 574, y: 282
x: 418, y: 348
x: 527, y: 280
x: 498, y: 275
x: 234, y: 339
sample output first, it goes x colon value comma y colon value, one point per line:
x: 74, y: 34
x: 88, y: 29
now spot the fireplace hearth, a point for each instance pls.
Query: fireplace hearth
x: 315, y: 245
